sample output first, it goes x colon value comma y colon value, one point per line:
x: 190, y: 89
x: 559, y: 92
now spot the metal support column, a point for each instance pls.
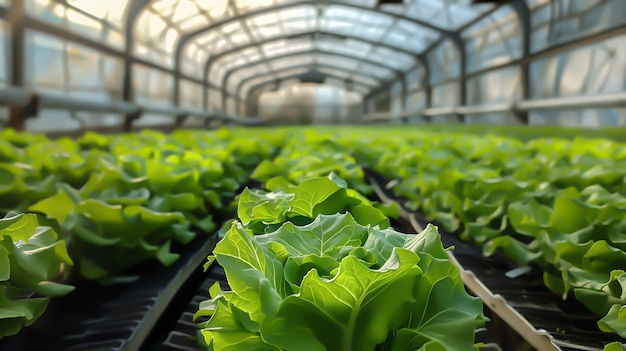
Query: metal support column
x: 404, y: 95
x: 134, y: 9
x: 428, y: 91
x: 462, y: 101
x: 19, y: 114
x: 523, y: 14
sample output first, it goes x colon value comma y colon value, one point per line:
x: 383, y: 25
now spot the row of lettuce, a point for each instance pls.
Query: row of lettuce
x: 556, y: 204
x: 314, y: 265
x: 310, y: 255
x: 94, y: 208
x: 551, y: 203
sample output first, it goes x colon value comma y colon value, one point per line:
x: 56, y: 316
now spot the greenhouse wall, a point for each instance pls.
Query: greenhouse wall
x: 597, y: 68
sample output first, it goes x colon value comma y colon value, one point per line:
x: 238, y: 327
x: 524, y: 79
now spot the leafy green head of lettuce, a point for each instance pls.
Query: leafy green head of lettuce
x: 32, y: 261
x: 261, y: 211
x: 337, y: 285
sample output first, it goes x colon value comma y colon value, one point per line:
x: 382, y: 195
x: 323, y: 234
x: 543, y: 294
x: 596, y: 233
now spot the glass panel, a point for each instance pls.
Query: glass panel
x: 379, y: 72
x: 267, y: 79
x: 364, y: 24
x: 61, y: 67
x: 284, y: 46
x: 215, y: 99
x: 445, y: 95
x: 364, y: 81
x: 502, y: 85
x: 415, y: 78
x: 563, y: 21
x: 392, y: 58
x: 410, y: 36
x: 152, y: 86
x: 111, y: 10
x: 163, y: 22
x: 193, y: 60
x: 280, y: 48
x: 100, y: 20
x: 449, y: 14
x: 336, y: 61
x: 243, y: 74
x: 219, y: 69
x: 497, y: 39
x: 190, y: 95
x: 361, y: 90
x: 250, y: 5
x: 292, y: 61
x: 349, y: 75
x: 335, y: 82
x: 261, y: 69
x: 231, y: 106
x: 444, y: 62
x: 45, y: 62
x: 593, y: 69
x: 150, y: 33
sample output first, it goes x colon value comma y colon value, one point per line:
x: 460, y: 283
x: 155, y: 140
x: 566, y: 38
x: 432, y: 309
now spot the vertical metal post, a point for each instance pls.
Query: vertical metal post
x: 133, y: 10
x: 428, y: 92
x: 404, y: 96
x: 17, y: 114
x: 462, y: 100
x: 523, y: 13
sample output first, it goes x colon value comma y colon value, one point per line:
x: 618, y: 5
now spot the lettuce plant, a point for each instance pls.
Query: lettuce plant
x: 261, y: 211
x: 32, y: 261
x: 114, y: 233
x: 335, y: 284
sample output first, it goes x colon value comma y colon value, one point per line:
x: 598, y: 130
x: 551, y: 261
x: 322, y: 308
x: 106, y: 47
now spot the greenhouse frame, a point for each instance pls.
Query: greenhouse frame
x: 422, y: 61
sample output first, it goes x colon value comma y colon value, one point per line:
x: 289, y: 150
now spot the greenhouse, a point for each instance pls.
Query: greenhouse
x: 313, y: 175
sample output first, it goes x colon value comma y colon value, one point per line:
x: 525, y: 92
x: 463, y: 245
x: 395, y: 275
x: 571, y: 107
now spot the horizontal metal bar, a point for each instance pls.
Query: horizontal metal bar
x: 101, y: 47
x: 12, y: 96
x: 164, y: 111
x: 249, y: 121
x: 59, y: 102
x: 438, y: 111
x: 547, y: 52
x: 573, y: 102
x: 477, y: 110
x: 617, y: 100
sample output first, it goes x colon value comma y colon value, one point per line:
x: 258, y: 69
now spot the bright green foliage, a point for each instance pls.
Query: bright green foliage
x: 145, y: 192
x: 615, y: 346
x: 308, y: 154
x: 32, y: 259
x: 334, y: 284
x: 262, y: 211
x: 553, y: 203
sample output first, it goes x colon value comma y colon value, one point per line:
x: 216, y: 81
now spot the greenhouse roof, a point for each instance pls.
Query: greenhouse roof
x: 366, y: 43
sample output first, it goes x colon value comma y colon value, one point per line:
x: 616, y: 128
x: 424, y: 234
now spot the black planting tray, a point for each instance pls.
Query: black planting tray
x: 118, y: 317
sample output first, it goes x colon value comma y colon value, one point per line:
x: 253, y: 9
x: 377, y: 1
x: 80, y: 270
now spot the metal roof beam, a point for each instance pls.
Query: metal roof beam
x: 230, y: 72
x: 244, y: 81
x: 214, y: 58
x: 458, y: 41
x: 257, y: 86
x: 317, y: 3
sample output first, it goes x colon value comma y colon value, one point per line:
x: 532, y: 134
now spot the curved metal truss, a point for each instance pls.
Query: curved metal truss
x: 289, y: 22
